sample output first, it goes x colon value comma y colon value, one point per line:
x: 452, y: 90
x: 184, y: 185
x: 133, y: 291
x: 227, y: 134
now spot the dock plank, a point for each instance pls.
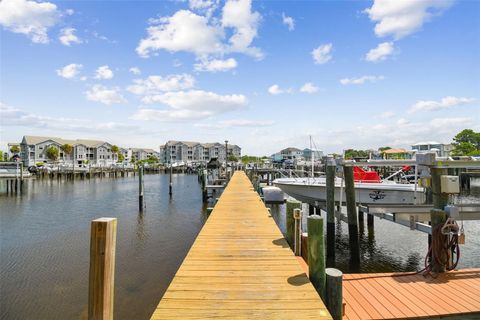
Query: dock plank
x: 240, y: 267
x: 412, y: 296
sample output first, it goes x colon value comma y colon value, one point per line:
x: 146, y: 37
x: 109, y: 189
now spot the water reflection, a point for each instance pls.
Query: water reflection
x: 45, y: 235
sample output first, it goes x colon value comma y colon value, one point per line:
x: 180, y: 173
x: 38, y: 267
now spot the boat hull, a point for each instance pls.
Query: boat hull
x: 365, y: 193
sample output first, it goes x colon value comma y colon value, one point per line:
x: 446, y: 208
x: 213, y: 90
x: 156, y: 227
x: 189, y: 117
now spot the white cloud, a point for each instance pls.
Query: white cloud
x: 361, y: 80
x: 444, y: 103
x: 30, y: 18
x: 402, y: 121
x: 237, y: 14
x: 70, y: 71
x: 104, y: 72
x: 381, y: 52
x: 184, y: 31
x: 102, y: 94
x: 135, y: 70
x: 191, y: 32
x: 216, y: 65
x: 450, y: 122
x: 157, y: 84
x: 401, y: 18
x: 275, y: 89
x: 67, y: 36
x: 322, y: 54
x: 288, y: 21
x: 200, y: 4
x: 309, y: 88
x: 189, y: 105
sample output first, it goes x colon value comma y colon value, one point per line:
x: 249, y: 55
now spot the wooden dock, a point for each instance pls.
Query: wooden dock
x: 400, y: 296
x: 240, y: 267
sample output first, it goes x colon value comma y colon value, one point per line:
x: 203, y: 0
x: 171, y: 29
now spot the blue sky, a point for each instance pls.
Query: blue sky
x: 264, y: 75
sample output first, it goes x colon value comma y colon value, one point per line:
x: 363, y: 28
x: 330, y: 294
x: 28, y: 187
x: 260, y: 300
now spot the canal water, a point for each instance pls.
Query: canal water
x: 45, y: 234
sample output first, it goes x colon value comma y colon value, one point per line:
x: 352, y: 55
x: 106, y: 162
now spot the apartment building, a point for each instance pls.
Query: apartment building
x: 191, y: 152
x: 96, y: 152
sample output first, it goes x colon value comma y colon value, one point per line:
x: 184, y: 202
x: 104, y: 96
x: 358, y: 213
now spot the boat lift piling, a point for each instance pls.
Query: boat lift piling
x: 351, y: 214
x: 330, y: 185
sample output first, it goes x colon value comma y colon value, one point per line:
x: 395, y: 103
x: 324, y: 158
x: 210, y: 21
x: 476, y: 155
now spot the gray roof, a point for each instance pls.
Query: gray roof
x: 32, y: 140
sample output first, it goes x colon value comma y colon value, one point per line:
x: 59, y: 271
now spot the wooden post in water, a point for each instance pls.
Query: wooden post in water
x: 297, y: 215
x: 290, y: 221
x: 334, y: 278
x: 352, y: 214
x: 170, y: 183
x: 316, y: 254
x: 140, y: 188
x: 330, y: 184
x: 103, y: 236
x: 21, y: 176
x: 440, y: 200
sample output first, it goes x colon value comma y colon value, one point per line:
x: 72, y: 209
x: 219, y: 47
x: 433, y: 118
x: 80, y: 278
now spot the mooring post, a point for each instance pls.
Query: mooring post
x: 330, y: 184
x: 290, y: 221
x: 334, y: 292
x: 297, y: 215
x: 21, y: 176
x: 439, y: 255
x: 440, y: 200
x: 370, y: 221
x: 170, y: 183
x: 316, y: 253
x: 140, y: 188
x: 103, y: 236
x: 351, y: 213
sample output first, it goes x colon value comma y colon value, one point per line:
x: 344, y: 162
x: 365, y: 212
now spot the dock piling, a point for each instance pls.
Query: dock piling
x: 316, y: 253
x: 170, y: 183
x: 290, y: 221
x: 102, y: 268
x: 140, y: 188
x: 330, y: 184
x: 334, y: 279
x: 352, y: 214
x: 297, y: 215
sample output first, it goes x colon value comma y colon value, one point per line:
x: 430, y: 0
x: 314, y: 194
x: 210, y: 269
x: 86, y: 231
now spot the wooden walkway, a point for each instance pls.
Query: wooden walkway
x: 386, y: 296
x: 240, y: 267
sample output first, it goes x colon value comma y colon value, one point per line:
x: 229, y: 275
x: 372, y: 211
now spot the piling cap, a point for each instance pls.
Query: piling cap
x: 333, y: 272
x: 315, y: 217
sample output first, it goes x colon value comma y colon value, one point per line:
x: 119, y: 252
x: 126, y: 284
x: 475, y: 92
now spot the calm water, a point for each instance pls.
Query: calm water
x: 45, y: 236
x: 44, y: 254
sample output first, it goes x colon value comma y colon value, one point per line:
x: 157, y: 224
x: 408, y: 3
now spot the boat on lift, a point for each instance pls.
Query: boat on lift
x: 369, y: 189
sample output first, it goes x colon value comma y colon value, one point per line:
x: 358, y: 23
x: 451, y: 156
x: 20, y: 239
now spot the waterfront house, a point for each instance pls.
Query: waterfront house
x: 307, y: 154
x: 140, y: 154
x: 441, y: 149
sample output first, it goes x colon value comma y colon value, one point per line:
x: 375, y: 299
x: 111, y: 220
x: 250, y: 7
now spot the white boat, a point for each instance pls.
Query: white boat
x: 311, y: 190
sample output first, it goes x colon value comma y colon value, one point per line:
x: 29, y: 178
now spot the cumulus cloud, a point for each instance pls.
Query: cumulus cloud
x: 196, y: 33
x: 157, y: 84
x: 135, y: 70
x: 30, y: 18
x: 402, y: 18
x: 381, y: 52
x: 189, y: 105
x: 288, y: 21
x: 104, y: 72
x: 322, y: 54
x: 70, y: 71
x: 309, y: 88
x: 184, y: 31
x: 444, y: 103
x: 216, y: 65
x: 275, y: 89
x: 361, y: 80
x: 67, y: 36
x: 102, y: 94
